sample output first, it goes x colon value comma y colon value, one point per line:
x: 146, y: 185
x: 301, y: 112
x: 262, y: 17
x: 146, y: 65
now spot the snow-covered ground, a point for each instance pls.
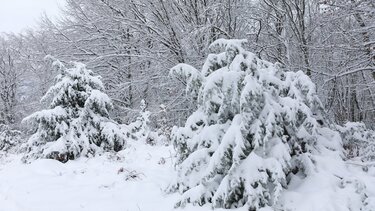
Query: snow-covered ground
x: 134, y: 180
x: 101, y: 183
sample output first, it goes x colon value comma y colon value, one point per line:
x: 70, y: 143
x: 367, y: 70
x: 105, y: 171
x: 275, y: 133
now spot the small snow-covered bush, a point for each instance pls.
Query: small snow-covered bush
x: 256, y: 124
x: 358, y: 140
x: 10, y: 139
x: 77, y: 122
x: 140, y: 129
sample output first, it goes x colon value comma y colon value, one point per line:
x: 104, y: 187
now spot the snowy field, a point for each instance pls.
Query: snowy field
x: 134, y: 180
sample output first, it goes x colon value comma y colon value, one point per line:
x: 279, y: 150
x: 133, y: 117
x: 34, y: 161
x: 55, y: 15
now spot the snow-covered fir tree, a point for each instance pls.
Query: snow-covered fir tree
x: 77, y: 122
x: 10, y: 139
x: 140, y: 129
x: 256, y: 125
x: 358, y: 141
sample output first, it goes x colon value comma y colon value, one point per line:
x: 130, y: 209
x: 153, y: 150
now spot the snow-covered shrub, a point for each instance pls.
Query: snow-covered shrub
x: 9, y: 139
x: 77, y: 122
x: 140, y: 127
x: 358, y: 141
x: 255, y: 125
x: 141, y: 130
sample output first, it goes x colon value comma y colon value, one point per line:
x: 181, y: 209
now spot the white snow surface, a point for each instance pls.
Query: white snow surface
x: 105, y: 183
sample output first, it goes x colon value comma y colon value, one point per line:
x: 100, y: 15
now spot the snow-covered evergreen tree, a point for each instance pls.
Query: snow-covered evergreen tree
x: 10, y: 139
x: 256, y: 124
x: 141, y: 130
x: 77, y: 122
x: 358, y: 141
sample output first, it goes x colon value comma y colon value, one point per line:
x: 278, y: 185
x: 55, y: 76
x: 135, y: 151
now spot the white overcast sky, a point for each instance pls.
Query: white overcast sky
x: 17, y: 15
